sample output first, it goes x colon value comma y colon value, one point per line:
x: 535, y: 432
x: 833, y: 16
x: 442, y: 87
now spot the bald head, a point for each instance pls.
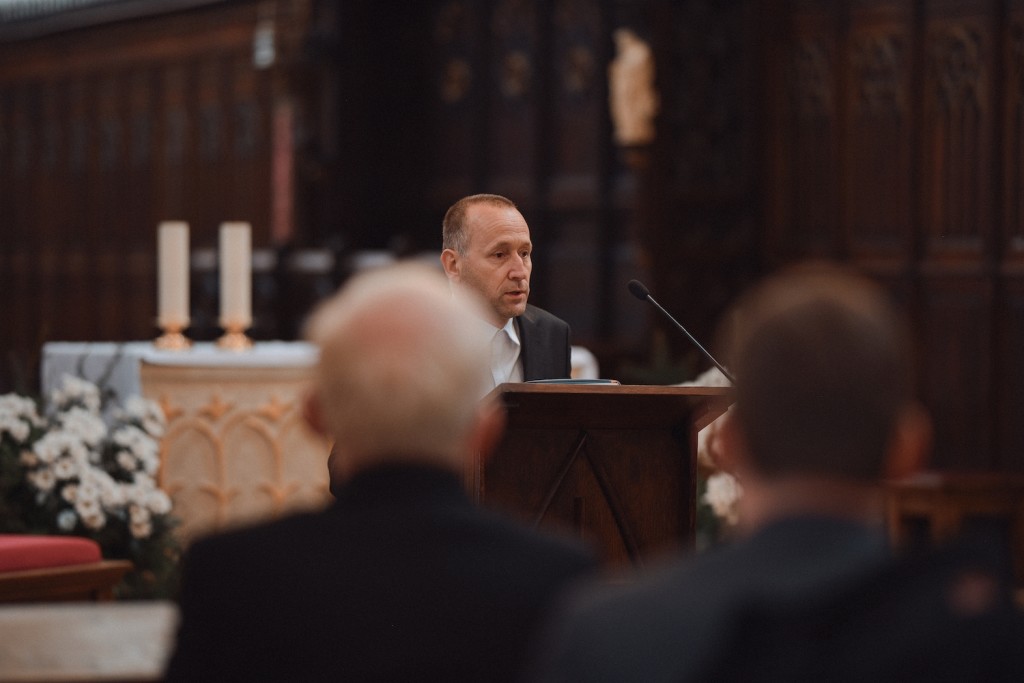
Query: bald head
x: 822, y: 364
x: 400, y: 372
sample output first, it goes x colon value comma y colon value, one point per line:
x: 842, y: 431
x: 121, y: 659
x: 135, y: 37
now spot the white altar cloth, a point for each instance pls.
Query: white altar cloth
x: 122, y: 361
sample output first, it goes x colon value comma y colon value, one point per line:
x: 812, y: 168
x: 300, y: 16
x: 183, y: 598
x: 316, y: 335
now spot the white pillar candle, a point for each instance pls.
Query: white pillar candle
x: 172, y: 275
x: 235, y: 275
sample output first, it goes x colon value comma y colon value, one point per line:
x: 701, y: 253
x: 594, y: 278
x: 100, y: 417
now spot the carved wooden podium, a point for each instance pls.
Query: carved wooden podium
x: 614, y: 464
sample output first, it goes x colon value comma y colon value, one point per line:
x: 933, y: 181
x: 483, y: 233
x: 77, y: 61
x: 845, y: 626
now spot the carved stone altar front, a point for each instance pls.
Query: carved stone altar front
x: 236, y: 449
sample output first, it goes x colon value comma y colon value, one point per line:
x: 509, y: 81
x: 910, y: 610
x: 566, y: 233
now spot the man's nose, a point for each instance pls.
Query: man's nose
x: 517, y: 270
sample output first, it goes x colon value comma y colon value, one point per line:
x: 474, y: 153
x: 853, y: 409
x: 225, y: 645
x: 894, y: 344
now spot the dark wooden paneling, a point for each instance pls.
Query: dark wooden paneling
x: 1012, y: 242
x: 956, y: 332
x: 807, y: 80
x: 921, y: 153
x: 699, y: 225
x: 957, y: 224
x: 957, y: 130
x: 456, y: 98
x: 1009, y: 375
x: 1009, y: 316
x: 110, y: 129
x: 879, y: 135
x: 888, y: 134
x: 516, y: 86
x: 575, y: 153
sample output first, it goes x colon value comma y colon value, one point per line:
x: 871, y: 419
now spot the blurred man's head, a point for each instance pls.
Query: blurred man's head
x: 823, y: 378
x: 487, y: 249
x: 400, y: 373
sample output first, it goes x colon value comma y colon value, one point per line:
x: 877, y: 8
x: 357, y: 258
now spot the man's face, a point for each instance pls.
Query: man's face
x: 497, y: 262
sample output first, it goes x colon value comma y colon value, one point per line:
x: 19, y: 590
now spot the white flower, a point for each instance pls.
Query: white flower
x: 87, y: 488
x: 144, y: 481
x: 158, y: 502
x: 18, y: 413
x: 137, y: 513
x: 113, y: 497
x: 76, y: 390
x: 65, y: 468
x: 90, y: 511
x: 143, y: 450
x: 15, y: 426
x: 86, y: 505
x: 29, y: 459
x: 89, y: 427
x: 57, y: 443
x: 66, y: 520
x: 100, y: 486
x: 722, y: 493
x: 126, y: 460
x: 150, y: 464
x: 50, y: 447
x: 42, y: 479
x: 70, y: 493
x: 94, y: 520
x: 135, y: 493
x: 141, y: 529
x: 145, y: 412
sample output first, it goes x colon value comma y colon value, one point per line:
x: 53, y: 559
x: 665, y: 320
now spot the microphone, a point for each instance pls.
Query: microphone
x: 638, y: 290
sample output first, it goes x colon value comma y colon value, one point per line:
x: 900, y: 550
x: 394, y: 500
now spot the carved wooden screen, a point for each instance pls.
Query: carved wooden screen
x: 898, y: 129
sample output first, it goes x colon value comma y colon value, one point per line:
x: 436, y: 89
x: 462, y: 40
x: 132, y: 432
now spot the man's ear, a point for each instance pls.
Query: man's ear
x: 313, y: 413
x: 489, y: 428
x: 731, y: 453
x: 450, y: 262
x: 910, y: 444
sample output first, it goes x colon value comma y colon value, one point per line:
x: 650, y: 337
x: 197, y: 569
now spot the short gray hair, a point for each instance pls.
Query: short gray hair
x: 400, y: 371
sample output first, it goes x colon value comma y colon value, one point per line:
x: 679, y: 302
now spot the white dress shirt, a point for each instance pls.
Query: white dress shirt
x: 506, y: 352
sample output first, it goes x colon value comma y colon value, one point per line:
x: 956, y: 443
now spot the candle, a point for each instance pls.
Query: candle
x: 235, y: 275
x: 172, y: 275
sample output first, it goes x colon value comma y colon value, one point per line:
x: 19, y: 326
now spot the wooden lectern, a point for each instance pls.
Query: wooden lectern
x: 615, y: 464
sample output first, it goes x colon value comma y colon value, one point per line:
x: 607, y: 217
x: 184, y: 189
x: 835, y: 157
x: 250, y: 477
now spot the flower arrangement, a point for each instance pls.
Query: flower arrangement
x: 717, y: 495
x: 88, y: 469
x: 718, y: 491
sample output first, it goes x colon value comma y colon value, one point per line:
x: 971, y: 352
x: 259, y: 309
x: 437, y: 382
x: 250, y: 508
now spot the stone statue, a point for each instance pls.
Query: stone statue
x: 634, y: 101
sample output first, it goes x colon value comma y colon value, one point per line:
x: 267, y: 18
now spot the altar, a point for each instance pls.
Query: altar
x: 236, y: 449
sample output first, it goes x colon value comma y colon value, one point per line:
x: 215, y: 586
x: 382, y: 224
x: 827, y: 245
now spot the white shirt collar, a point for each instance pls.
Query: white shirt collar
x: 513, y: 331
x: 507, y: 366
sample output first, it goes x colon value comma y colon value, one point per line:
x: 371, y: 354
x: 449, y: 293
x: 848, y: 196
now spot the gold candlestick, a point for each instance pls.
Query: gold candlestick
x: 234, y: 337
x: 172, y: 339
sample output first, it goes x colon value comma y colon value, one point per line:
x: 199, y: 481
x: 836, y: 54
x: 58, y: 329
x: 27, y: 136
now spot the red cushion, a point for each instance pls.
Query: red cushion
x: 19, y: 552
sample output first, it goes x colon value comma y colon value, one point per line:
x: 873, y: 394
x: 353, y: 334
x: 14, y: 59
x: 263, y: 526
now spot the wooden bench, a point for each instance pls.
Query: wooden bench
x: 56, y: 568
x: 937, y: 506
x: 92, y: 581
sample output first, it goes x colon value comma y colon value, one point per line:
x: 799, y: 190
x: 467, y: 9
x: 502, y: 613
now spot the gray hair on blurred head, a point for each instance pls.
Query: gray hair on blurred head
x: 401, y: 371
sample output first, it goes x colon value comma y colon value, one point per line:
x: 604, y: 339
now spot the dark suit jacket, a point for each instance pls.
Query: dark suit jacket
x: 546, y: 352
x: 806, y: 599
x: 402, y: 579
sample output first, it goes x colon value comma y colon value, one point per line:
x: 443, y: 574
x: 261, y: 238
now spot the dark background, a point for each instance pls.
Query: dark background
x: 883, y: 134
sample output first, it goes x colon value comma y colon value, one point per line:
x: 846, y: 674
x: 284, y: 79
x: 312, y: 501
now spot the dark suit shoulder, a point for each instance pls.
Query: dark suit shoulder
x: 546, y: 349
x: 536, y: 314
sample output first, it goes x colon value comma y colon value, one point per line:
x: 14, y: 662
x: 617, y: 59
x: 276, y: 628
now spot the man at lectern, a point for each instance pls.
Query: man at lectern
x: 809, y: 590
x: 403, y: 578
x: 487, y: 250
